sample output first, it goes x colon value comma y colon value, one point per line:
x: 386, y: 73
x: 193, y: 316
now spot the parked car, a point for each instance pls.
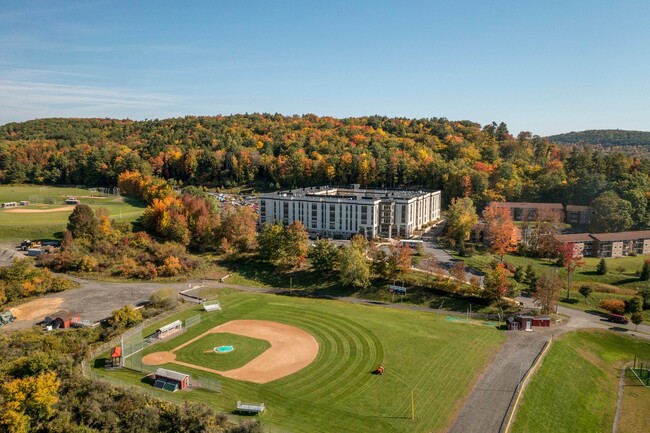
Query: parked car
x: 617, y: 318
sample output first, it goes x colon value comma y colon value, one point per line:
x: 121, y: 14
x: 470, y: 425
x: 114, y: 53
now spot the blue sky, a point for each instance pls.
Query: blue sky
x: 543, y: 66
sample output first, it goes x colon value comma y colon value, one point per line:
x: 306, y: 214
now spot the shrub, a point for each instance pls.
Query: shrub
x: 585, y: 291
x: 633, y: 305
x: 614, y: 306
x: 164, y: 298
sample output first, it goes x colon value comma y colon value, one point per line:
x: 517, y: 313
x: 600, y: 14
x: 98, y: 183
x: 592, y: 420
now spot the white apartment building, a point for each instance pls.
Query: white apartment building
x: 344, y: 212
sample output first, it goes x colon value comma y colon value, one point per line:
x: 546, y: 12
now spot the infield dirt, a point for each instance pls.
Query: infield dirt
x: 292, y: 349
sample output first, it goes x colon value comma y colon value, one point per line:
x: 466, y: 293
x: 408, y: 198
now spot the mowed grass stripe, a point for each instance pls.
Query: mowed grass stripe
x: 341, y: 361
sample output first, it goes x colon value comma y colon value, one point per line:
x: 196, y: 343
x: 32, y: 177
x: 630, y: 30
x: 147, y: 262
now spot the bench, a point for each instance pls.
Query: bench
x: 251, y: 408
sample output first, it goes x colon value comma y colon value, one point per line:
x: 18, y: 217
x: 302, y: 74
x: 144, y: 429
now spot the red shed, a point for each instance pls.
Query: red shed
x: 543, y: 322
x: 62, y: 319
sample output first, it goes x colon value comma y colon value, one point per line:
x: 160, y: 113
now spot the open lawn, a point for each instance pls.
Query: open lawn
x: 576, y: 387
x: 435, y: 359
x: 15, y: 225
x: 201, y: 352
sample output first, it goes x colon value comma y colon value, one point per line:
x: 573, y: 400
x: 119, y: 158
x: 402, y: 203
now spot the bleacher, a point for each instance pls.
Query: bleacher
x: 170, y: 386
x: 166, y: 385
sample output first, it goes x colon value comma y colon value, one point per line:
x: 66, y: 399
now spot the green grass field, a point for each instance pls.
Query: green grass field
x: 576, y: 387
x: 47, y: 225
x: 200, y: 352
x: 436, y: 359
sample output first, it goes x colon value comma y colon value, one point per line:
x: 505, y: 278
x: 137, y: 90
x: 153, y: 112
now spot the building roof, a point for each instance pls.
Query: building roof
x: 171, y: 374
x: 577, y: 208
x: 170, y: 326
x: 352, y: 193
x: 63, y: 315
x: 622, y: 236
x: 574, y: 237
x: 525, y: 205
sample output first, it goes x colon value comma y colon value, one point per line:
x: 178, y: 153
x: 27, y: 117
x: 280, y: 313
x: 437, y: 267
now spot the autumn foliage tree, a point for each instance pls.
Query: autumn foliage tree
x: 461, y: 217
x: 547, y: 291
x: 284, y: 246
x: 496, y: 281
x: 27, y: 403
x: 570, y: 260
x: 500, y: 231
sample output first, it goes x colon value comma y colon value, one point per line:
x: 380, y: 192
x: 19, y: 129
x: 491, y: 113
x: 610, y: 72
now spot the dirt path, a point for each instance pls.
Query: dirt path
x: 56, y: 209
x: 488, y: 404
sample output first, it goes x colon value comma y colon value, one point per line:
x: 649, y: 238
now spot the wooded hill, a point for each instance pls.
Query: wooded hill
x: 604, y: 137
x: 271, y: 151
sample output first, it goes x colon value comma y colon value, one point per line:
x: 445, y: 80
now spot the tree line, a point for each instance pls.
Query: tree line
x: 465, y: 159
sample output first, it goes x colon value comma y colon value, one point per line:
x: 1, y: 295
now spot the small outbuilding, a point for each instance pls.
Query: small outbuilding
x: 24, y: 203
x: 170, y: 380
x: 9, y: 204
x: 520, y: 323
x: 542, y: 321
x: 72, y: 200
x: 116, y: 358
x: 62, y: 319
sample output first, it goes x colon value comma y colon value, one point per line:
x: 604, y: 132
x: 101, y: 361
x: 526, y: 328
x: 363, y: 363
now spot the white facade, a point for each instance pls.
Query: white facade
x: 344, y: 212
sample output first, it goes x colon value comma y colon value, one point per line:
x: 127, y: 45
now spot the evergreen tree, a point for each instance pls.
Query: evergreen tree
x: 601, y: 269
x: 645, y: 271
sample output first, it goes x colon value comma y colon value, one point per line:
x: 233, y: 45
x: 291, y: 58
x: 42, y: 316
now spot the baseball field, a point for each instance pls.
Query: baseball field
x: 311, y: 362
x: 47, y: 214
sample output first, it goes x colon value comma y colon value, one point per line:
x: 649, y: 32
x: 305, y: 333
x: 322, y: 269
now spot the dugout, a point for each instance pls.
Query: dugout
x: 170, y: 380
x: 169, y: 329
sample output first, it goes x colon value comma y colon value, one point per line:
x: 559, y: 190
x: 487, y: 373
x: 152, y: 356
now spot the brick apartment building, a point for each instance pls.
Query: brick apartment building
x: 608, y: 244
x: 524, y: 211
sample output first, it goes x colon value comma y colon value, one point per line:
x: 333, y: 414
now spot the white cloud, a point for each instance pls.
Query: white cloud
x: 22, y: 100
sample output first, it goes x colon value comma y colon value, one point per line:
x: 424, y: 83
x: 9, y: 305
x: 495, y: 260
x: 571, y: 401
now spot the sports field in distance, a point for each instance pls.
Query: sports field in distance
x: 437, y: 360
x: 47, y: 214
x: 576, y: 387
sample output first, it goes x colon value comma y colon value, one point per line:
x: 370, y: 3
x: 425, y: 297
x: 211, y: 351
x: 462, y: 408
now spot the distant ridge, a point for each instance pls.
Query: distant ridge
x: 604, y: 137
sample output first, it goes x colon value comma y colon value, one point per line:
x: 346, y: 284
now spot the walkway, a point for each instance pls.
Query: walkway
x: 488, y: 404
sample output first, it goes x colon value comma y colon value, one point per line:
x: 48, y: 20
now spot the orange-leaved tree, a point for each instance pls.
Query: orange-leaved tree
x: 500, y: 231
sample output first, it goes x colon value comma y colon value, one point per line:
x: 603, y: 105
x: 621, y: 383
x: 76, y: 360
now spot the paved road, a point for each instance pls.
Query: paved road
x: 488, y: 404
x: 433, y: 247
x: 581, y: 319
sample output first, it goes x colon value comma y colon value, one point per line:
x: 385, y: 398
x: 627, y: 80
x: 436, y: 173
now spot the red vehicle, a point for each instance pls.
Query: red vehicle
x: 617, y: 318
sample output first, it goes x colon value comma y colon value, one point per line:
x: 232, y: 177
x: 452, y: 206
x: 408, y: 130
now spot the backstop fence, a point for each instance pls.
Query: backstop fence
x: 132, y: 344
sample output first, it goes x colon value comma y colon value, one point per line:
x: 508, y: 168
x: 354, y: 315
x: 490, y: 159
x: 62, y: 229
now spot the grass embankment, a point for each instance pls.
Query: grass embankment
x: 437, y: 360
x: 17, y: 226
x: 576, y: 387
x: 254, y: 272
